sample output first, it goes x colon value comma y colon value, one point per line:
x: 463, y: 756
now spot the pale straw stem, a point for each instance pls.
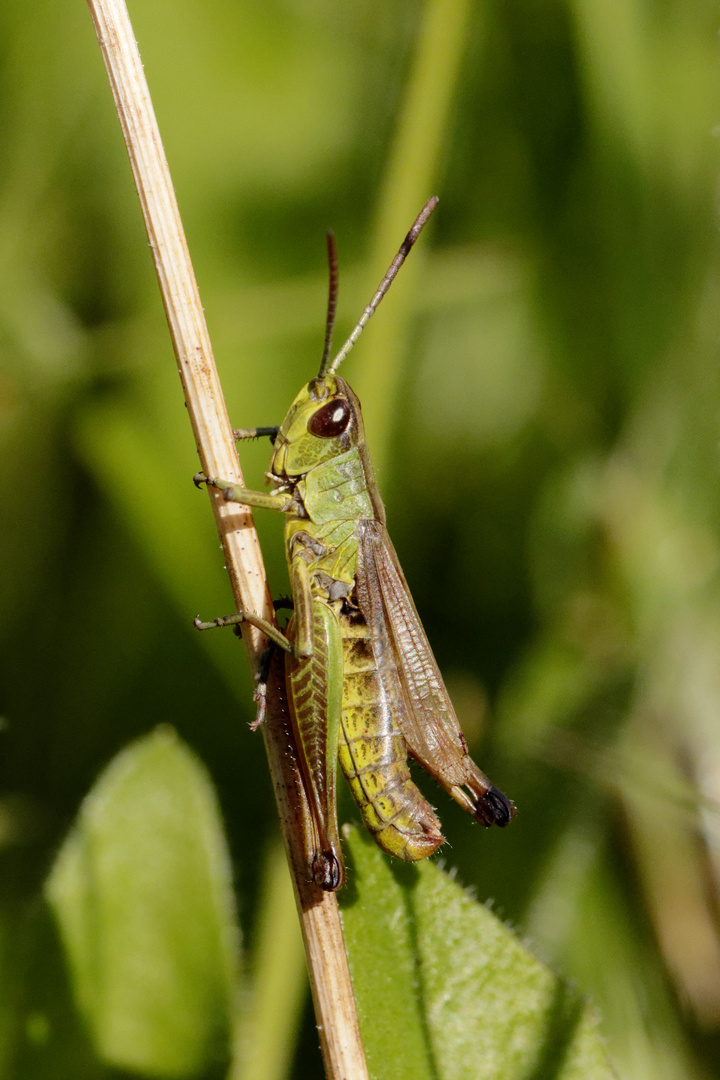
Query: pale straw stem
x: 327, y: 961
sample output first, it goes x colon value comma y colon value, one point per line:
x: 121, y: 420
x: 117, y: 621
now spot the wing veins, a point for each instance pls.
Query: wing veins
x: 428, y: 721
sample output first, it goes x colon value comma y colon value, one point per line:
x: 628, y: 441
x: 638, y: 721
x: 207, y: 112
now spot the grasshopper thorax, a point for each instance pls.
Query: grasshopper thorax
x: 323, y: 422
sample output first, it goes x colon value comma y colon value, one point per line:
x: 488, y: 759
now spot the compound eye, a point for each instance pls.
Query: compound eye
x: 331, y: 420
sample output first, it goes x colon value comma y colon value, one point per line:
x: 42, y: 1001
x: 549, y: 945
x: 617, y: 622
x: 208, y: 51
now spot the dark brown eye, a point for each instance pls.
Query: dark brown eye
x: 331, y: 420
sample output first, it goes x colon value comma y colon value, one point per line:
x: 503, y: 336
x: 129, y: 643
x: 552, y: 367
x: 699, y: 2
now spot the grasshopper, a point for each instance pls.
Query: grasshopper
x: 361, y: 679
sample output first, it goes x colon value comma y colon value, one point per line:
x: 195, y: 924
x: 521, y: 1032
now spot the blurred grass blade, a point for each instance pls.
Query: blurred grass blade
x: 141, y: 893
x: 280, y: 984
x: 446, y: 991
x: 411, y: 176
x: 122, y: 454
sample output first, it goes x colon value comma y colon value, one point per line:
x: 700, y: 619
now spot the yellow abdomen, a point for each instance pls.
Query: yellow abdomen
x: 373, y: 755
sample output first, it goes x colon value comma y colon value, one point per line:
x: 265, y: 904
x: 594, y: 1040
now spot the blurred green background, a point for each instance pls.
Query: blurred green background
x: 541, y: 391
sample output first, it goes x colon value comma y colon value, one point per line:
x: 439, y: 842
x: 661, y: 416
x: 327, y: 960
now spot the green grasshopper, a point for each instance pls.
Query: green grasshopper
x: 361, y: 679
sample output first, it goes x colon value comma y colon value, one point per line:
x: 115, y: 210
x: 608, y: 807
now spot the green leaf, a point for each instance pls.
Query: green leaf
x: 445, y: 990
x: 141, y: 893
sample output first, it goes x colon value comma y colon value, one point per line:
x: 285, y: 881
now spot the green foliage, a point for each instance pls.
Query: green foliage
x: 541, y: 394
x: 470, y: 1001
x: 141, y: 893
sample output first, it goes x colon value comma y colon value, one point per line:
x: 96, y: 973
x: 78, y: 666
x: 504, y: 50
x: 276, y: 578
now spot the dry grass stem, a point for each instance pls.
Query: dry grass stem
x: 327, y: 961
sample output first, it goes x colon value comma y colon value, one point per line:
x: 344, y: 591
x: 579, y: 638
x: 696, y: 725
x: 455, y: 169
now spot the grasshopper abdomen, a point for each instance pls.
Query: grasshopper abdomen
x: 373, y: 755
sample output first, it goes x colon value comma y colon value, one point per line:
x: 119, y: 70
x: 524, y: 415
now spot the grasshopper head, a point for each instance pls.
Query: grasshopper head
x: 323, y: 422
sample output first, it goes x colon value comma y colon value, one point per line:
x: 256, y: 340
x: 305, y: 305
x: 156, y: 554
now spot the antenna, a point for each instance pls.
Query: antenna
x: 416, y: 229
x: 332, y: 301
